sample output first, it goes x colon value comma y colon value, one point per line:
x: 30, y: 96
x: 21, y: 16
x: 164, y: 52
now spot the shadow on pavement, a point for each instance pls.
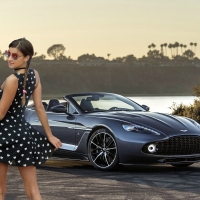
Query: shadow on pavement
x: 185, y: 179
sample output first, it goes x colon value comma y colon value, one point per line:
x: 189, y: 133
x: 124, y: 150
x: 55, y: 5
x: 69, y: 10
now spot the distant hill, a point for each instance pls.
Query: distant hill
x: 59, y: 79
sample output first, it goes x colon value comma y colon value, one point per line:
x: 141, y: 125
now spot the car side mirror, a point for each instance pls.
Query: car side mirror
x: 146, y: 107
x: 59, y: 109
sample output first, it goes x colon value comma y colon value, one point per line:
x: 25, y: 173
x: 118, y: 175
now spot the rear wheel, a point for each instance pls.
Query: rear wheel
x: 181, y: 165
x: 102, y: 150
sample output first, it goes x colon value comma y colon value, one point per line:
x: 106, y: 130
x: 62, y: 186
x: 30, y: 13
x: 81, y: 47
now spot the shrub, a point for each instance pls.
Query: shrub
x: 191, y: 111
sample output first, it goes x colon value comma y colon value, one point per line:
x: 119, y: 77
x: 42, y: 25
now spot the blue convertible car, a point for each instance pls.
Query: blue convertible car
x: 109, y: 129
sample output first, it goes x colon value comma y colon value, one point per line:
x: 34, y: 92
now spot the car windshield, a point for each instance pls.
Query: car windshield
x: 106, y: 102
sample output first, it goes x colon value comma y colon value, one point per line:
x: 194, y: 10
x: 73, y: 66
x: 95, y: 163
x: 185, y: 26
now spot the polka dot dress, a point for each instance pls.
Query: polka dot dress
x: 20, y: 143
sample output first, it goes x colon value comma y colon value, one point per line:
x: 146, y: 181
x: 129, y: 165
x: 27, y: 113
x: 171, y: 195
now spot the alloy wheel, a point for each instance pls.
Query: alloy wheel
x: 103, y: 150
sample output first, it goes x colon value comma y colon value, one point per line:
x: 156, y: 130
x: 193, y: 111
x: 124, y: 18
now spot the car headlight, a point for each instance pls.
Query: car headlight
x: 137, y: 128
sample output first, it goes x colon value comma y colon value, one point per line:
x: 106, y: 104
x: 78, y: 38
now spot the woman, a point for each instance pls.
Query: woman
x: 20, y: 143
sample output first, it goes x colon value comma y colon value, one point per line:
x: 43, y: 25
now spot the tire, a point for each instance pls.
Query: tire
x: 181, y: 165
x: 102, y: 150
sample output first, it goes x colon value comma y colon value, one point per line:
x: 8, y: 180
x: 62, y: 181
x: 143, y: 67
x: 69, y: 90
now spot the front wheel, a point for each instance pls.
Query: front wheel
x: 102, y: 150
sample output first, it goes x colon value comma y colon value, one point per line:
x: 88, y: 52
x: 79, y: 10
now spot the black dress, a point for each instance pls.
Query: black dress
x: 20, y: 143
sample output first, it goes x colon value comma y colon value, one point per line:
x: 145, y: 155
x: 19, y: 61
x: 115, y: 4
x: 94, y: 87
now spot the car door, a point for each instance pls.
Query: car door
x: 62, y: 126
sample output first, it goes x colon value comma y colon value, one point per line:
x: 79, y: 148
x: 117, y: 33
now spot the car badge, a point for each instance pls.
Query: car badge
x: 183, y: 130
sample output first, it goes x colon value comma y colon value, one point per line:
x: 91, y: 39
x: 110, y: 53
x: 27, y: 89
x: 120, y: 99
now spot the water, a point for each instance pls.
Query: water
x: 162, y: 103
x: 159, y: 103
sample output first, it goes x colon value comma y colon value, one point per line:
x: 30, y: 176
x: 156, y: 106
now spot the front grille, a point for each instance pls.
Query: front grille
x: 179, y: 160
x: 179, y: 145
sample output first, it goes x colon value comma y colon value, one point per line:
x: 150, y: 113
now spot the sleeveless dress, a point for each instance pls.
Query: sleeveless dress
x: 20, y: 143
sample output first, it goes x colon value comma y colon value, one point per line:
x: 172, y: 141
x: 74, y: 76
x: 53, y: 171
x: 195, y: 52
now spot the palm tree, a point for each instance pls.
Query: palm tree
x: 191, y: 44
x: 153, y: 45
x: 185, y: 46
x: 149, y: 47
x: 181, y: 45
x: 170, y: 47
x: 165, y: 45
x: 173, y: 52
x: 108, y: 55
x: 162, y: 48
x: 195, y: 44
x: 176, y: 46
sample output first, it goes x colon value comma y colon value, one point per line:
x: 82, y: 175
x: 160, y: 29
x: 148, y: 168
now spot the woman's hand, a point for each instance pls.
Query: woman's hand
x: 55, y: 141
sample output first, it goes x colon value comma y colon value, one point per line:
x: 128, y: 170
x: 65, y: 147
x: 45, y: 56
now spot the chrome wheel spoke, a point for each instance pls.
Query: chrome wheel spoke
x: 110, y: 156
x: 110, y: 142
x: 111, y: 153
x: 106, y: 159
x: 94, y: 153
x: 108, y: 149
x: 96, y: 145
x: 104, y: 141
x: 98, y: 156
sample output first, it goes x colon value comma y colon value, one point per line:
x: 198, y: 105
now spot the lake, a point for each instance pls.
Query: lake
x: 162, y: 103
x: 159, y: 103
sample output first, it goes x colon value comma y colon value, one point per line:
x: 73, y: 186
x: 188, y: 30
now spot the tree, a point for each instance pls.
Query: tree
x: 162, y: 48
x: 176, y: 44
x: 129, y: 59
x: 41, y: 57
x: 119, y: 59
x: 38, y: 57
x: 153, y: 45
x: 189, y: 54
x: 191, y: 44
x: 165, y: 45
x: 154, y: 54
x: 195, y: 44
x: 62, y: 57
x: 143, y: 59
x: 1, y: 56
x: 170, y: 47
x: 56, y: 51
x: 108, y: 55
x: 179, y: 58
x: 181, y: 45
x: 86, y: 58
x: 185, y: 46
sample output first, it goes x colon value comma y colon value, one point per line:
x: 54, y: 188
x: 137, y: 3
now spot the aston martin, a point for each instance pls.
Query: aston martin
x: 109, y: 130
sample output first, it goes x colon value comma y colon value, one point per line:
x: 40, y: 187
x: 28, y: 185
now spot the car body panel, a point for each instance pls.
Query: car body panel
x: 74, y: 131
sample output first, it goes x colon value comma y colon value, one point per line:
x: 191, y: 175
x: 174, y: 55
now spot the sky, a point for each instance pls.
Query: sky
x: 117, y: 27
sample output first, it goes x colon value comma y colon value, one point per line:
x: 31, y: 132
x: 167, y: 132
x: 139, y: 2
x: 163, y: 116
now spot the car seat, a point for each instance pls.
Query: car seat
x: 86, y: 105
x: 52, y: 102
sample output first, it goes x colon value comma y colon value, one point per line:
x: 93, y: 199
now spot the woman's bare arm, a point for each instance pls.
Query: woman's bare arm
x: 9, y: 91
x: 39, y: 108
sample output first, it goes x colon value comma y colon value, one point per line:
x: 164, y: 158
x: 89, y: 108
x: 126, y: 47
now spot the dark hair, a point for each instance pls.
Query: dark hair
x: 26, y: 48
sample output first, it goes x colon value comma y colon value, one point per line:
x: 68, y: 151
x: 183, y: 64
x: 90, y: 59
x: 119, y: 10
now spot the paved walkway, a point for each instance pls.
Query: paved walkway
x: 73, y: 180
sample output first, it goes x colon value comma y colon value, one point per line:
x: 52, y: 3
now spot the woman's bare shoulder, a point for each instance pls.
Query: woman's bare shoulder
x: 37, y: 77
x: 36, y: 73
x: 11, y: 79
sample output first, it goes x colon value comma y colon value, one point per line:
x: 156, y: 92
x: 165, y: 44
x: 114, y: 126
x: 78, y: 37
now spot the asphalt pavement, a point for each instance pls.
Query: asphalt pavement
x: 74, y: 180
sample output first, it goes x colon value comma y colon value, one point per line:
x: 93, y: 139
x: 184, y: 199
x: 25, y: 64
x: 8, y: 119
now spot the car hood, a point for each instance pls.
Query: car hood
x: 165, y: 123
